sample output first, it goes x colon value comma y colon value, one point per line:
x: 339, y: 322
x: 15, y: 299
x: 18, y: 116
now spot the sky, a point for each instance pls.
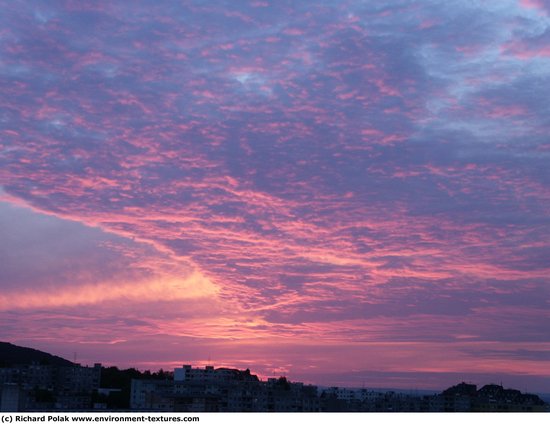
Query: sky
x: 350, y: 193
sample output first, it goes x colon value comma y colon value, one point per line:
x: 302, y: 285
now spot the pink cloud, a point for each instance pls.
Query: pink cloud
x: 539, y: 5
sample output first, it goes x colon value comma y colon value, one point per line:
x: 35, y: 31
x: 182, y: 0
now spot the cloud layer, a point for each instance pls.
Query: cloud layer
x: 245, y: 174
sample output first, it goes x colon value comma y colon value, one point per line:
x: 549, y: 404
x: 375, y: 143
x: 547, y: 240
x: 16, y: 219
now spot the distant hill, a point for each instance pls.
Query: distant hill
x: 11, y: 355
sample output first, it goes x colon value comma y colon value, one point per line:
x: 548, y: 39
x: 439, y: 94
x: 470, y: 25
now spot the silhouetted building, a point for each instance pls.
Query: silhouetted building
x: 490, y: 398
x: 48, y: 387
x: 152, y: 395
x: 11, y: 397
x: 71, y: 387
x: 222, y: 389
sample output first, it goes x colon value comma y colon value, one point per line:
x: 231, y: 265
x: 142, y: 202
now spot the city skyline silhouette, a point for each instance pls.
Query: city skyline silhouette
x: 341, y: 192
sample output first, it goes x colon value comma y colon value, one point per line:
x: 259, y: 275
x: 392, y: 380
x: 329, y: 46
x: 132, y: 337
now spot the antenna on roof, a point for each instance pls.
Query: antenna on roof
x: 74, y: 357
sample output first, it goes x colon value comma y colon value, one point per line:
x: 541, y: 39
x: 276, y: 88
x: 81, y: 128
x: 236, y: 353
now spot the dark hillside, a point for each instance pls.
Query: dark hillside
x: 11, y: 355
